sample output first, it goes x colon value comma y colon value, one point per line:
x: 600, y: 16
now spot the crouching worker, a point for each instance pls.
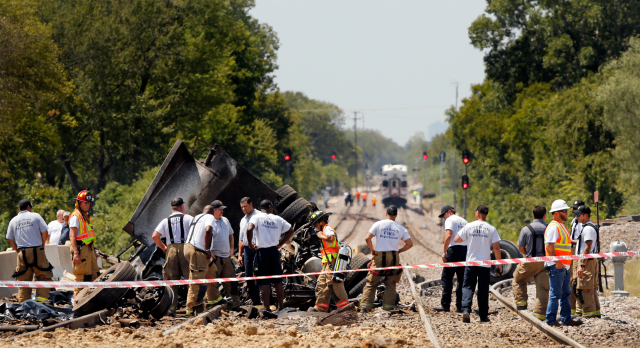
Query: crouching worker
x: 198, y: 254
x: 330, y: 249
x: 386, y: 253
x: 83, y: 237
x: 27, y: 233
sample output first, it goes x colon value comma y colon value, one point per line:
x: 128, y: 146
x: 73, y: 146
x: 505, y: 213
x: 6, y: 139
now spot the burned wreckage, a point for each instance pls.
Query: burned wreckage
x: 218, y: 177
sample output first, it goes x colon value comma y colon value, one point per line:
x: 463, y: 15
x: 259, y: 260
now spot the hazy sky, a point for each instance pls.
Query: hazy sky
x: 363, y: 55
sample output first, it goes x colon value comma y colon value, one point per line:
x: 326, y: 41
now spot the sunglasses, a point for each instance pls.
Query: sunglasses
x: 563, y: 211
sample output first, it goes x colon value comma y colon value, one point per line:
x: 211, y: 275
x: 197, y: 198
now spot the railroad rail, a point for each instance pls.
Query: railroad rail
x: 423, y: 315
x: 407, y: 224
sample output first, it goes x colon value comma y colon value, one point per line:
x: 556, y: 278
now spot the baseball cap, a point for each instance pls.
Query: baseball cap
x: 482, y: 209
x: 217, y: 205
x: 392, y: 210
x: 66, y: 213
x: 24, y: 204
x: 176, y: 202
x: 445, y: 209
x: 577, y: 204
x: 583, y: 209
x: 265, y: 204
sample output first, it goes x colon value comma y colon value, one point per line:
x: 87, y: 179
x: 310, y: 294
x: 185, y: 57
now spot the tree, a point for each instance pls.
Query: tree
x: 559, y: 42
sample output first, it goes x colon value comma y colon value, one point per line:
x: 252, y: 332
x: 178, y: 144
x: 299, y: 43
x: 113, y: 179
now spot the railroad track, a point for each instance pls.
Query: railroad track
x: 526, y: 317
x: 345, y: 238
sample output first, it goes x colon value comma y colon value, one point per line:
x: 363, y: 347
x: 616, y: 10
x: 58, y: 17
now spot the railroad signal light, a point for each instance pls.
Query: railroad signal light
x: 287, y: 155
x: 465, y: 182
x: 333, y: 155
x: 424, y: 155
x: 466, y: 156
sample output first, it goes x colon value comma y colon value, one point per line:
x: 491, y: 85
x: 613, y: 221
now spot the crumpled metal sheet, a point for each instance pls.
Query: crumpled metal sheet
x: 33, y: 311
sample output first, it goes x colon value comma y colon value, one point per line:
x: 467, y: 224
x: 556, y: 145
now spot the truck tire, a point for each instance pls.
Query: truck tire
x: 508, y: 250
x: 357, y: 290
x: 359, y: 261
x: 286, y: 195
x: 92, y: 300
x: 296, y: 210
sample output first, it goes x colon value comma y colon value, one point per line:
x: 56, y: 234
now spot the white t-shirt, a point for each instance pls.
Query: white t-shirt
x: 220, y: 242
x: 576, y: 228
x: 455, y: 224
x: 551, y: 236
x: 388, y: 234
x: 588, y: 233
x: 198, y: 231
x: 73, y: 222
x: 26, y: 229
x: 329, y: 231
x: 163, y: 227
x: 268, y: 229
x: 480, y: 236
x: 244, y: 224
x: 55, y: 229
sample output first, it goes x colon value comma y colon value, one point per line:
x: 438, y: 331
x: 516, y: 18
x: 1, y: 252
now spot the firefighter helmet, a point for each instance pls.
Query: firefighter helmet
x: 85, y: 196
x: 318, y: 215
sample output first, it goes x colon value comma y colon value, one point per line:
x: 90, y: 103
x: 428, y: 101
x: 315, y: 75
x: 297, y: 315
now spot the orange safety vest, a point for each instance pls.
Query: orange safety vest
x: 329, y: 251
x: 357, y: 194
x: 85, y: 230
x: 364, y: 196
x: 563, y: 243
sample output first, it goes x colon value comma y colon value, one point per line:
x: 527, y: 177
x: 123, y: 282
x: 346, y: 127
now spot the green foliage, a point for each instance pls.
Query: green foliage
x: 114, y: 209
x: 557, y: 42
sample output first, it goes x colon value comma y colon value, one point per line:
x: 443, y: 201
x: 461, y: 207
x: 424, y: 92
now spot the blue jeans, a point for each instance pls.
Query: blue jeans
x: 559, y: 290
x: 254, y: 294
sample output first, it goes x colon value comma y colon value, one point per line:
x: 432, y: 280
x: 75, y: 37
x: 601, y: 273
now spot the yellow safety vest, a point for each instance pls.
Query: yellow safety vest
x: 329, y: 250
x: 85, y: 230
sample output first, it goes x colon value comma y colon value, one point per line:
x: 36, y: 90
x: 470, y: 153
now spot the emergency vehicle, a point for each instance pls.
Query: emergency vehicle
x: 394, y: 184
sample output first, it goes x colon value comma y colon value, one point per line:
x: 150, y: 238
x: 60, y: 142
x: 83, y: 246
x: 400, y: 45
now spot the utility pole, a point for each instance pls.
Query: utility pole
x: 455, y: 162
x: 442, y: 158
x: 355, y: 149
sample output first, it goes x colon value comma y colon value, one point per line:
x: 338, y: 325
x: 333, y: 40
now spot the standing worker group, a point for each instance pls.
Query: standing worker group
x: 27, y: 234
x: 531, y: 244
x: 558, y: 243
x: 453, y: 252
x: 83, y: 238
x: 364, y: 199
x: 329, y: 250
x: 481, y: 236
x: 388, y: 234
x: 174, y: 229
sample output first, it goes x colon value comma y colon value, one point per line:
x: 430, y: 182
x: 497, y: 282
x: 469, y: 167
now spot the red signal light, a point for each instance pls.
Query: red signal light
x: 466, y: 155
x: 465, y: 182
x: 287, y: 158
x: 465, y: 160
x: 465, y: 186
x: 424, y: 155
x: 333, y: 156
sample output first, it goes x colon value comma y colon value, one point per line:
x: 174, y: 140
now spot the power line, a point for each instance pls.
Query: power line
x: 382, y: 109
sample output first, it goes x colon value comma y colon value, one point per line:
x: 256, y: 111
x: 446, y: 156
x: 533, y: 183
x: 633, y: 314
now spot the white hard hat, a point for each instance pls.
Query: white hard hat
x: 558, y: 205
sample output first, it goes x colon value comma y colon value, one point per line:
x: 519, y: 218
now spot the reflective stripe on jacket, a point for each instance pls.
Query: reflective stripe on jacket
x: 85, y: 230
x: 563, y: 243
x: 330, y: 251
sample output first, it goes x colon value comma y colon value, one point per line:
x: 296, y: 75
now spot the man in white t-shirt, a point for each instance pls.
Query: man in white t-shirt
x: 221, y: 249
x: 481, y: 237
x: 55, y: 228
x: 245, y: 253
x: 453, y: 252
x: 174, y: 229
x: 558, y: 243
x: 268, y: 228
x: 197, y: 250
x: 587, y: 269
x: 388, y: 234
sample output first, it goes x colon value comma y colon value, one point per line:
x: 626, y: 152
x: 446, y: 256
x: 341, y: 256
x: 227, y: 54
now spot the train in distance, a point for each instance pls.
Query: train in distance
x: 393, y: 188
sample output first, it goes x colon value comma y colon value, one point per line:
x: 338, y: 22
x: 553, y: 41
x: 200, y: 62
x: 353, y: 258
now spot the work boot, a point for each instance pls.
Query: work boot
x: 574, y: 323
x: 171, y: 312
x: 556, y: 324
x: 441, y: 309
x: 365, y: 309
x: 485, y: 320
x: 199, y: 309
x: 466, y: 317
x: 522, y: 308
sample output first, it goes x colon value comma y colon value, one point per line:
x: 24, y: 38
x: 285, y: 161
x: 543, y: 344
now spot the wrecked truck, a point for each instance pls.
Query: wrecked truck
x: 199, y: 182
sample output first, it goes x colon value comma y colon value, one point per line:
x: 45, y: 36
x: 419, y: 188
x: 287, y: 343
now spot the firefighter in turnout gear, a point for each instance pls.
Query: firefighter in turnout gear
x: 330, y: 248
x: 174, y: 229
x: 576, y: 229
x: 83, y: 237
x: 587, y: 269
x: 26, y: 233
x: 531, y: 244
x: 388, y: 234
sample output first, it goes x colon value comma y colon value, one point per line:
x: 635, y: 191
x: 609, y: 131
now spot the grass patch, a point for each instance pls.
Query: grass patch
x: 631, y: 279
